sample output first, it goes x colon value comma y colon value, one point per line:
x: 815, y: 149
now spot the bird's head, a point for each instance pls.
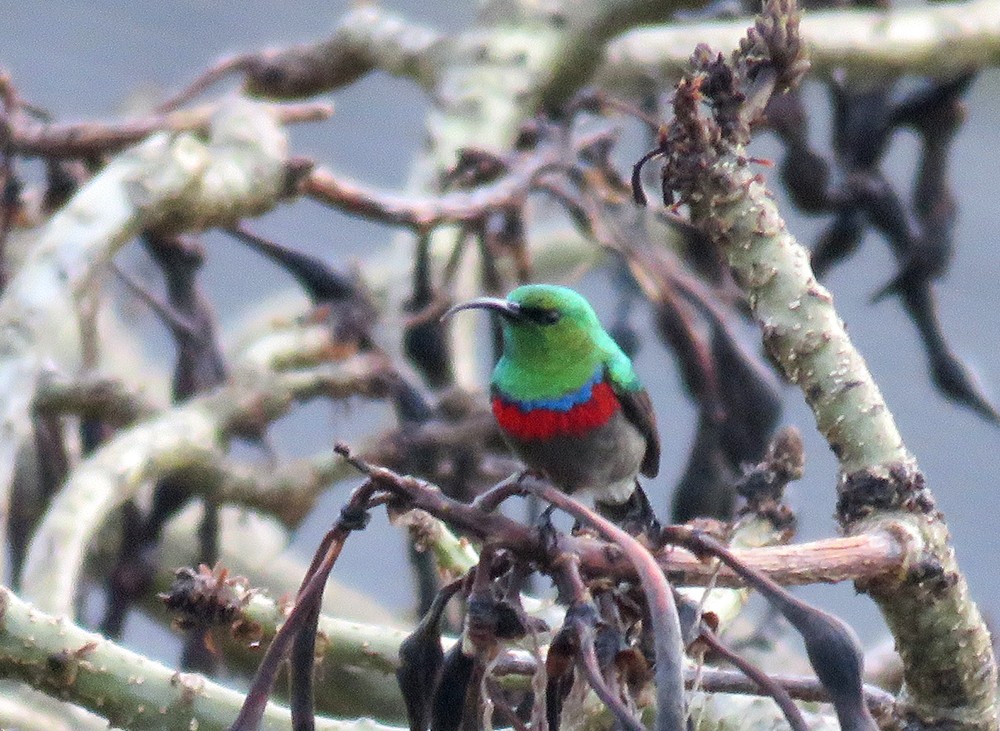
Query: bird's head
x: 543, y: 322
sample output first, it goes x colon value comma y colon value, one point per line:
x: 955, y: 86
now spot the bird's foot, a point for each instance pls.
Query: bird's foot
x: 635, y: 516
x: 528, y: 473
x: 547, y: 531
x: 492, y: 498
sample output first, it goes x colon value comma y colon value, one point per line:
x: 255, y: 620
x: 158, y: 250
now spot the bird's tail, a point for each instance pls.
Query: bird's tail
x: 635, y: 516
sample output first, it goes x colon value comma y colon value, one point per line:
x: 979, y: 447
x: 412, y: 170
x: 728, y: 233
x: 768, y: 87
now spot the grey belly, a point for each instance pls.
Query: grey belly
x: 604, y: 463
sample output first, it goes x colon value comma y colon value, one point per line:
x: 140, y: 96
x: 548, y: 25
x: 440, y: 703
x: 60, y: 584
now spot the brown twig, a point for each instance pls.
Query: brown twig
x: 304, y: 611
x: 881, y: 703
x: 763, y: 681
x: 84, y: 139
x: 423, y: 214
x: 834, y: 559
x: 670, y: 714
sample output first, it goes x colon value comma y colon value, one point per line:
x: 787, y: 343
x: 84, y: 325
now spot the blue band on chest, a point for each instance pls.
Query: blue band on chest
x: 563, y: 403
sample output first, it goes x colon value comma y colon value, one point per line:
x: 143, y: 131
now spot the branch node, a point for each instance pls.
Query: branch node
x: 865, y: 491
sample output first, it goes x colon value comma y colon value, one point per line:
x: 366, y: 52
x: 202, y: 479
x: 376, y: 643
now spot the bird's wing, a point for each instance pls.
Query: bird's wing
x: 638, y: 409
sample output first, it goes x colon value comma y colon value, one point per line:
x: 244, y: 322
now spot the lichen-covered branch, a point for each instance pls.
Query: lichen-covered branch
x: 168, y: 181
x: 26, y: 709
x: 93, y: 395
x: 949, y: 670
x: 356, y: 660
x: 366, y: 38
x: 938, y: 40
x: 54, y: 655
x: 288, y: 492
x: 181, y: 438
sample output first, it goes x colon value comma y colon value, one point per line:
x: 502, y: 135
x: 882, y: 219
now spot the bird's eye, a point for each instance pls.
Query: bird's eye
x: 541, y: 315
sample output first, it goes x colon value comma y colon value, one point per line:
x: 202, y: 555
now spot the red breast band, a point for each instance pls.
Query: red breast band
x: 541, y: 424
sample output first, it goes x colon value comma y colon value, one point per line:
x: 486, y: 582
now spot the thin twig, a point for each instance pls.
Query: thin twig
x: 85, y: 139
x: 767, y: 684
x: 670, y: 715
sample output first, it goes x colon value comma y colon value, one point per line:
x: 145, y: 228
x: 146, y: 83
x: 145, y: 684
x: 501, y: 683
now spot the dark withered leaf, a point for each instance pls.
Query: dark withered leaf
x: 511, y: 624
x: 677, y: 325
x: 750, y: 397
x: 425, y: 345
x: 559, y: 669
x: 950, y: 375
x: 690, y: 617
x: 835, y: 654
x: 750, y: 406
x: 608, y: 643
x: 840, y: 239
x: 704, y: 488
x: 448, y: 702
x: 421, y: 659
x: 320, y: 281
x: 634, y: 668
x: 833, y: 648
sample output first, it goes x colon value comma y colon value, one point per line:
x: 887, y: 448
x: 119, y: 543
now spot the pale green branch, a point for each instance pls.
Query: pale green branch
x: 950, y: 673
x: 169, y: 181
x: 367, y: 38
x: 55, y: 656
x: 184, y: 437
x: 26, y: 709
x: 93, y: 395
x: 939, y: 40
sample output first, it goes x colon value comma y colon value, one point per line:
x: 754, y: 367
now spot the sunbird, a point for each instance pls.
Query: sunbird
x: 568, y: 400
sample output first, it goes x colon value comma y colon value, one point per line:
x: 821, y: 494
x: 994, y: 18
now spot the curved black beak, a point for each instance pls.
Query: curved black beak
x: 508, y: 309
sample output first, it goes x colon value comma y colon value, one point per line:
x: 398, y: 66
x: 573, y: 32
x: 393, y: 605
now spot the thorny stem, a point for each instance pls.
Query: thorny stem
x: 129, y: 690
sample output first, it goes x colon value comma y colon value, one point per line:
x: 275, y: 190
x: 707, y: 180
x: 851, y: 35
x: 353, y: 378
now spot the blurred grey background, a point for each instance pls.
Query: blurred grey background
x: 84, y: 59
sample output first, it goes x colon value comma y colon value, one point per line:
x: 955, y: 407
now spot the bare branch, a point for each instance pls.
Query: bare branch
x: 85, y: 139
